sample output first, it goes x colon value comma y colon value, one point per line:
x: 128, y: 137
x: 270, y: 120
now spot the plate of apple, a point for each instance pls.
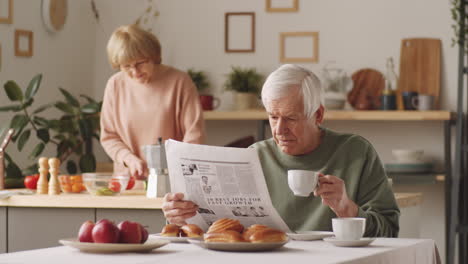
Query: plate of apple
x: 106, y: 237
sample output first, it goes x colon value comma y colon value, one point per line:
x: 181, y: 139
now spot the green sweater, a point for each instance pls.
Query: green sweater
x: 349, y: 157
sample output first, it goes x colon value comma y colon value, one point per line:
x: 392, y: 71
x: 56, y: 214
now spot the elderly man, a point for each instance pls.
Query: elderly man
x: 353, y: 182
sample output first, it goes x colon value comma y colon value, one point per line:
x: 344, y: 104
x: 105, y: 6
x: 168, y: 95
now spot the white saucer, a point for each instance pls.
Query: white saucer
x: 349, y: 243
x: 170, y: 239
x: 310, y: 235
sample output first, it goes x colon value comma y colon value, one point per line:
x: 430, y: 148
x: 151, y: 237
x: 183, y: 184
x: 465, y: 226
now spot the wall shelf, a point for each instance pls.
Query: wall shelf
x: 341, y: 115
x: 412, y: 178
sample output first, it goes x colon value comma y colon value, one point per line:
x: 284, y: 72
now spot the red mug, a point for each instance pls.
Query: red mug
x: 209, y: 102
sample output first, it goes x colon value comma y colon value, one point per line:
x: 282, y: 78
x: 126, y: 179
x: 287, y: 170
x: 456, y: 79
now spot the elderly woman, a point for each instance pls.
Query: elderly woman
x: 145, y: 100
x: 353, y: 182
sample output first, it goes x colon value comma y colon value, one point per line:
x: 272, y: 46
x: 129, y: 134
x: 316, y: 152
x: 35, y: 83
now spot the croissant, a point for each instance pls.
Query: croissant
x: 229, y: 236
x: 170, y: 230
x: 267, y: 235
x: 253, y: 228
x: 225, y: 224
x: 191, y: 230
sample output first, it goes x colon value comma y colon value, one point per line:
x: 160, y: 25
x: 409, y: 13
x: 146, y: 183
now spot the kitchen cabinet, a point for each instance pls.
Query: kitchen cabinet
x: 3, y: 230
x: 31, y: 228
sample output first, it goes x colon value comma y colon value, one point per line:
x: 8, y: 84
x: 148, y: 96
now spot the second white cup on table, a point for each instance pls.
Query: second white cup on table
x: 349, y: 228
x: 302, y: 182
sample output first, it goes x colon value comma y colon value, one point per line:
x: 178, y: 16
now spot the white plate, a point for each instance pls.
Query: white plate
x: 237, y: 246
x: 349, y: 243
x: 171, y: 239
x: 149, y: 245
x: 310, y: 235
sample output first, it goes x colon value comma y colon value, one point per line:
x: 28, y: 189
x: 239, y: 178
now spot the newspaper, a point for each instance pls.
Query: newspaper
x: 224, y: 182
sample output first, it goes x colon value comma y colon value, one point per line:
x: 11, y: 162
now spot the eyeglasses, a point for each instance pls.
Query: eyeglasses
x: 137, y: 65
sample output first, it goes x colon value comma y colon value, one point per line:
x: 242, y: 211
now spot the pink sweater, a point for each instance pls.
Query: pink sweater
x: 135, y: 114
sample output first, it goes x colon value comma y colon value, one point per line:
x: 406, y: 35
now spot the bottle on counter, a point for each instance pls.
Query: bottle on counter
x: 388, y: 97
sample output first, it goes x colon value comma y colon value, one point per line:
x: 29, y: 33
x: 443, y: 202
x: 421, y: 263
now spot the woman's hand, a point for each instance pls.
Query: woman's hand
x: 176, y: 210
x: 333, y: 193
x: 137, y: 167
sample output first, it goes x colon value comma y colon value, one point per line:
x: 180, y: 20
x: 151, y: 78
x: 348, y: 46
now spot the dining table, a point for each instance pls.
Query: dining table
x: 381, y: 250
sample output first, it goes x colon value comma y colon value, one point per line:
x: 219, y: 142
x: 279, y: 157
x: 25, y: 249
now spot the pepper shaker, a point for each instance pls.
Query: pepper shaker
x: 54, y: 187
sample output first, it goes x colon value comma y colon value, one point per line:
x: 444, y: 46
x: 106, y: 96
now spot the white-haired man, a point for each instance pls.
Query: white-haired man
x: 353, y: 182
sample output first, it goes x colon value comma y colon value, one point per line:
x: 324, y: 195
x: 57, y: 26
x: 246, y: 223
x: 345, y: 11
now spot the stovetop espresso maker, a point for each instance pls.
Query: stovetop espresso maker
x: 158, y: 178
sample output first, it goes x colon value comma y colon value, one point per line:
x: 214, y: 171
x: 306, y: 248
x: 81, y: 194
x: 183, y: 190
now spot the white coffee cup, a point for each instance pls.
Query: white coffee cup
x: 425, y: 102
x: 302, y: 182
x: 349, y: 228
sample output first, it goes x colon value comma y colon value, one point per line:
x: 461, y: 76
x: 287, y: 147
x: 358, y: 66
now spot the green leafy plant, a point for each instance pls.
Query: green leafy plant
x: 457, y: 17
x: 243, y: 80
x: 71, y: 133
x: 199, y: 79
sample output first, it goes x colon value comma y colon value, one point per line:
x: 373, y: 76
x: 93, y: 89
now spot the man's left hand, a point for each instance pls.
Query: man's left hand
x: 333, y: 193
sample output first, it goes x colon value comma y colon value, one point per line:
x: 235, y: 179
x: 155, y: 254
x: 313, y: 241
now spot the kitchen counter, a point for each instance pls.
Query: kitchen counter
x: 129, y: 200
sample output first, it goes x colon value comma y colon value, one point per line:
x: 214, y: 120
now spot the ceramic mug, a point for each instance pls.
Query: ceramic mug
x: 349, y: 228
x: 410, y: 100
x: 209, y: 102
x: 425, y: 102
x: 302, y: 182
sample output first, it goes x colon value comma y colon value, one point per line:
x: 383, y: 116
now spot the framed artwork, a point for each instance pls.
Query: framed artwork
x: 282, y: 5
x: 239, y: 32
x: 299, y: 47
x: 6, y: 11
x: 23, y: 43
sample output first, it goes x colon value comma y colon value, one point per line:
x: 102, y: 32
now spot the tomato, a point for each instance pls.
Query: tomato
x: 114, y: 186
x: 30, y: 181
x: 131, y: 183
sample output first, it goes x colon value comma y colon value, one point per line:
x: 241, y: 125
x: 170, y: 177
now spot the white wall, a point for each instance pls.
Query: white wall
x: 65, y: 59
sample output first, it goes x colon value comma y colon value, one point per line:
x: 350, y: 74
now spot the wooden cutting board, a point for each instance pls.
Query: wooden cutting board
x: 420, y: 68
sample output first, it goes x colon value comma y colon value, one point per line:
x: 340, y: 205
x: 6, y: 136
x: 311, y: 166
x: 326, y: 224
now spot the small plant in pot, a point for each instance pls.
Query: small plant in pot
x: 200, y: 80
x: 246, y: 83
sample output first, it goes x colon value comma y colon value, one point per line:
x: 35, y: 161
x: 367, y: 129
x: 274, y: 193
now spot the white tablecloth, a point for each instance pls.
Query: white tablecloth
x: 381, y: 251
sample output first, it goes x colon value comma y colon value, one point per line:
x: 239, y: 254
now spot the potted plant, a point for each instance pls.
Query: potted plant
x: 71, y: 133
x: 246, y: 83
x: 200, y: 80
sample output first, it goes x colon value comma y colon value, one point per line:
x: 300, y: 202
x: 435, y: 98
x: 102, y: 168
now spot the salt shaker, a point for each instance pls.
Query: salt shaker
x: 42, y: 183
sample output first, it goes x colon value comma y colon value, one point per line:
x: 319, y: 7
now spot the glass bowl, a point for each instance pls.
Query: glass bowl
x: 71, y: 183
x: 104, y: 184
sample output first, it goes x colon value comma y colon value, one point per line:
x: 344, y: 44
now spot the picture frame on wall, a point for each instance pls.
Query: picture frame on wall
x: 21, y: 37
x: 6, y: 11
x: 239, y: 32
x: 299, y: 47
x: 282, y: 5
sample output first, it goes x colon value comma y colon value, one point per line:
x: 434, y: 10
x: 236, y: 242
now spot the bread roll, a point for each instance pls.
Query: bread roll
x: 170, y: 230
x: 228, y: 236
x: 249, y: 231
x: 225, y: 224
x: 191, y: 230
x: 267, y: 235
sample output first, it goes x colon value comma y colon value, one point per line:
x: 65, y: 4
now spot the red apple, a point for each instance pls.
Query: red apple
x: 144, y: 234
x: 130, y: 232
x: 105, y: 232
x: 85, y: 233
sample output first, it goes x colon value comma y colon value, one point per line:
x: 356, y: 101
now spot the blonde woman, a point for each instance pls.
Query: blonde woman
x: 145, y: 100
